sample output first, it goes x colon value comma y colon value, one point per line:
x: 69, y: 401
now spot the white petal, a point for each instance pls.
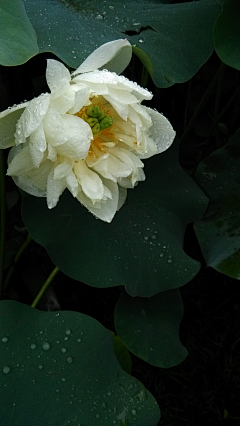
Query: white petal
x: 64, y: 102
x: 103, y: 210
x: 122, y: 197
x: 62, y: 170
x: 118, y: 168
x: 161, y: 130
x: 149, y: 148
x: 53, y: 125
x: 101, y: 167
x: 37, y: 145
x: 52, y: 153
x: 32, y: 181
x: 122, y: 96
x: 8, y: 121
x: 122, y: 109
x: 81, y: 98
x: 72, y: 184
x: 74, y: 141
x: 114, y: 56
x: 54, y: 189
x: 31, y: 117
x: 143, y: 114
x: 90, y: 182
x: 20, y: 162
x: 58, y: 77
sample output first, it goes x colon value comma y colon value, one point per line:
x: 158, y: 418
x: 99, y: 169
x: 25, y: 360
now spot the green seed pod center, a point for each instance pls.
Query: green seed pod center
x: 97, y: 119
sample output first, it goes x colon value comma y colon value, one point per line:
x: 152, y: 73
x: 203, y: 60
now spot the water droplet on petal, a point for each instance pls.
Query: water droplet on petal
x: 6, y: 369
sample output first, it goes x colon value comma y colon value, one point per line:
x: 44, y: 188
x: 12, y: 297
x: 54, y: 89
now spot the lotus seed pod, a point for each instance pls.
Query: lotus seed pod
x: 106, y: 122
x: 96, y: 128
x: 93, y: 111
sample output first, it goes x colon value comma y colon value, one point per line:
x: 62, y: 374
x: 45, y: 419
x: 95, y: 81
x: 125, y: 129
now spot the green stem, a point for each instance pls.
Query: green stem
x: 3, y: 217
x: 203, y: 101
x: 44, y: 287
x: 15, y: 261
x: 22, y: 248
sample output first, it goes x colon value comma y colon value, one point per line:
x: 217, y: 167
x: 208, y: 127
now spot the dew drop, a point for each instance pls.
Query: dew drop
x: 69, y: 359
x: 134, y: 412
x: 98, y: 416
x: 40, y: 367
x: 46, y: 346
x: 63, y: 379
x: 68, y: 332
x: 169, y: 260
x: 33, y: 346
x: 79, y: 340
x: 63, y: 350
x: 4, y: 339
x: 6, y: 369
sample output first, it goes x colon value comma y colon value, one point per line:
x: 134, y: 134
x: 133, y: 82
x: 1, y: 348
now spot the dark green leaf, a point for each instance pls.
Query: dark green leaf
x: 174, y: 39
x: 227, y: 33
x: 18, y: 39
x: 60, y: 369
x: 122, y: 354
x: 142, y: 248
x: 150, y: 327
x: 218, y: 231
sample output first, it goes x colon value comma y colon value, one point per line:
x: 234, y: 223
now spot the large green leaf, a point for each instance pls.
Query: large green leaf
x: 142, y: 248
x: 219, y: 229
x: 172, y: 40
x: 18, y: 39
x: 60, y: 369
x: 149, y: 328
x: 227, y: 33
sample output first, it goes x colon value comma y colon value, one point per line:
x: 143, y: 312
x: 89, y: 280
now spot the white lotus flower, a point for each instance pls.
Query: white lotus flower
x: 88, y: 135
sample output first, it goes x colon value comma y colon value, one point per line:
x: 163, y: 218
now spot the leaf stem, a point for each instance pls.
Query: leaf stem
x: 15, y: 261
x: 3, y: 217
x: 44, y: 287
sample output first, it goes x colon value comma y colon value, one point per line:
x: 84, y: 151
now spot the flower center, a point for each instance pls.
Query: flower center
x: 101, y: 123
x: 96, y: 117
